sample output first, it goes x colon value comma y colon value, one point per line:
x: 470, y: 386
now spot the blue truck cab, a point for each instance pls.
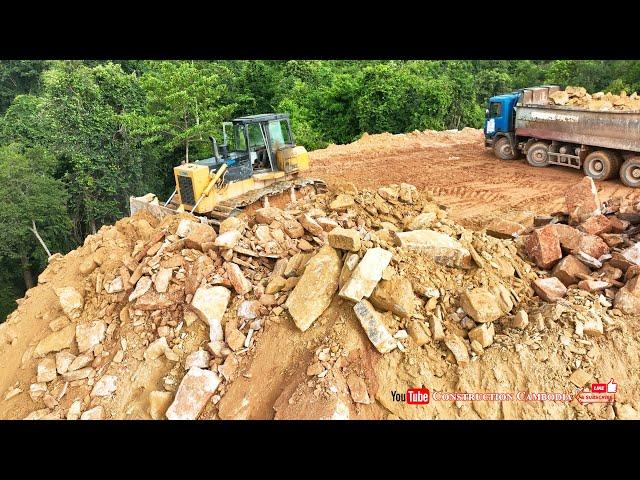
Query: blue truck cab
x: 500, y: 118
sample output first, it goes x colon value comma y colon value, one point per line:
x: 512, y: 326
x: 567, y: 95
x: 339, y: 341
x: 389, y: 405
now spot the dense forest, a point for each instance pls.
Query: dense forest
x: 78, y: 137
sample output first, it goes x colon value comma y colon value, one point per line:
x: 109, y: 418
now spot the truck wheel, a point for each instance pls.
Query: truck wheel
x: 600, y: 165
x: 503, y: 150
x: 537, y: 154
x: 630, y: 172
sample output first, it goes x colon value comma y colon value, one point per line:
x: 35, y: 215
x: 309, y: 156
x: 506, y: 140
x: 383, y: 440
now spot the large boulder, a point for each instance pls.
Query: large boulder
x: 374, y: 327
x: 440, y: 247
x: 481, y: 305
x: 395, y: 295
x: 194, y: 392
x: 71, y: 301
x: 314, y: 291
x: 210, y: 303
x: 366, y: 274
x: 345, y: 239
x: 543, y: 246
x: 582, y: 201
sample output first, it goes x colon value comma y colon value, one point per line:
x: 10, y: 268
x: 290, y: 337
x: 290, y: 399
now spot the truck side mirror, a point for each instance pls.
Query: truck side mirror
x: 486, y: 113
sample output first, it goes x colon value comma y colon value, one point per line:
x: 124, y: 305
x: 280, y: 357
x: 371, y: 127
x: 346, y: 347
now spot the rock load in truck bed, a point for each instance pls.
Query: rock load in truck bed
x: 600, y: 101
x: 326, y: 309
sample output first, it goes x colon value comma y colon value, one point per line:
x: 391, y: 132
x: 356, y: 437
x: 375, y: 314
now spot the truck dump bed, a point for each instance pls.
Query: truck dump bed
x: 607, y: 129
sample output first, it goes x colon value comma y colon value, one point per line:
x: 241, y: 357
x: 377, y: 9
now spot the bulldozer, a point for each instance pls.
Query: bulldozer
x: 257, y: 159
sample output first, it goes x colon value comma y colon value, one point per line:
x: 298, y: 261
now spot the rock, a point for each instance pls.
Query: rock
x: 366, y: 275
x: 358, y: 389
x: 293, y: 229
x: 88, y: 335
x: 483, y: 334
x: 458, y: 347
x: 77, y: 374
x: 422, y: 221
x: 296, y: 265
x: 59, y: 323
x: 593, y: 246
x: 481, y: 305
x: 267, y: 215
x: 549, y: 289
x: 500, y: 228
x: 115, y: 286
x: 199, y: 358
x: 580, y: 378
x: 596, y: 225
x: 304, y: 245
x: 250, y: 309
x: 194, y: 392
x: 588, y: 260
x: 569, y: 237
x: 184, y: 227
x: 344, y: 239
x: 37, y: 391
x: 210, y: 303
x: 618, y: 225
x: 327, y: 223
x: 63, y: 361
x: 275, y: 284
x: 624, y: 411
x: 342, y: 202
x: 612, y: 239
x: 153, y: 300
x: 348, y: 267
x: 315, y: 369
x: 56, y: 341
x: 162, y: 279
x: 418, y: 332
x: 74, y: 410
x: 476, y: 347
x: 408, y: 193
x: 437, y: 331
x: 71, y: 301
x: 503, y: 297
x: 593, y: 285
x: 87, y: 266
x: 582, y: 201
x: 235, y: 339
x: 105, y: 386
x: 521, y: 320
x: 395, y: 295
x: 156, y: 349
x: 632, y: 254
x: 389, y: 193
x: 200, y: 235
x: 374, y: 327
x: 95, y: 413
x: 315, y: 289
x: 543, y: 247
x: 240, y: 284
x: 159, y: 402
x: 440, y: 247
x: 232, y: 223
x: 310, y: 225
x: 229, y: 367
x: 569, y: 269
x: 46, y: 370
x: 628, y: 297
x: 593, y: 327
x: 142, y: 286
x: 80, y: 361
x: 228, y: 239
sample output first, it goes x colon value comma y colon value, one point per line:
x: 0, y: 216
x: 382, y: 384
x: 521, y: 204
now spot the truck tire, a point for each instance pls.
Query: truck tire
x: 630, y: 172
x: 503, y: 150
x: 537, y: 154
x: 601, y: 165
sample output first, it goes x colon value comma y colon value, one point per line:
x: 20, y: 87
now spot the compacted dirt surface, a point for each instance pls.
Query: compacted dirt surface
x: 458, y: 170
x: 333, y: 306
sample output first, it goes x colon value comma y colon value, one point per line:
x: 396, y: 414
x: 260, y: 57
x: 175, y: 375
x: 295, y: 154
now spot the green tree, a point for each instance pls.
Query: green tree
x: 182, y: 104
x: 33, y: 213
x: 17, y: 77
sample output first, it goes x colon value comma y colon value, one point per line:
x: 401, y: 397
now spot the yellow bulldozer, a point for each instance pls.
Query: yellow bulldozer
x: 258, y: 158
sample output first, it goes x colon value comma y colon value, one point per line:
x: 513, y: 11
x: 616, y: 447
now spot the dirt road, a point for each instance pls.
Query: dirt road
x: 458, y: 170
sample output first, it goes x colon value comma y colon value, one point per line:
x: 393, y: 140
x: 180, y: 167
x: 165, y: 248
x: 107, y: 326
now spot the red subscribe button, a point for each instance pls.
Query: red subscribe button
x: 418, y: 396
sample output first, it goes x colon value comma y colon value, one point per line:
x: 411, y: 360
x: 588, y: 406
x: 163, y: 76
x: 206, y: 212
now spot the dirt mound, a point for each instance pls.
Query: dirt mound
x: 328, y: 308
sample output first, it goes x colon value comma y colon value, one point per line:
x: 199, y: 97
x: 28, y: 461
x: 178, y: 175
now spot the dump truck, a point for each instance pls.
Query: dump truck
x: 258, y: 159
x: 601, y: 143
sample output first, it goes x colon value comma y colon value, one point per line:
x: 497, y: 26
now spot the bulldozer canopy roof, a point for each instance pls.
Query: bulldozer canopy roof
x: 263, y: 117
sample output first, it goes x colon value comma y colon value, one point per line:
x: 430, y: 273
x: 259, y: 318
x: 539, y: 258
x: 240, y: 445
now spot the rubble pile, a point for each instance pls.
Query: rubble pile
x: 161, y: 318
x: 600, y: 101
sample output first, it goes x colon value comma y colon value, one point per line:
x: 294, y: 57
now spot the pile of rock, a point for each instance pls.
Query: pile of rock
x: 592, y: 246
x: 578, y: 97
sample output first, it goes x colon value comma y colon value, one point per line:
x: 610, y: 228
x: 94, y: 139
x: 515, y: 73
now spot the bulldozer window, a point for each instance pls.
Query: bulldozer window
x: 237, y: 141
x: 255, y: 136
x: 279, y: 133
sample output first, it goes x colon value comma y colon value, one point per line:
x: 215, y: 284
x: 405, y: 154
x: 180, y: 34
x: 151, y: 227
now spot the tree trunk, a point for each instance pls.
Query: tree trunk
x: 92, y: 224
x: 187, y: 150
x: 26, y: 272
x: 34, y: 229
